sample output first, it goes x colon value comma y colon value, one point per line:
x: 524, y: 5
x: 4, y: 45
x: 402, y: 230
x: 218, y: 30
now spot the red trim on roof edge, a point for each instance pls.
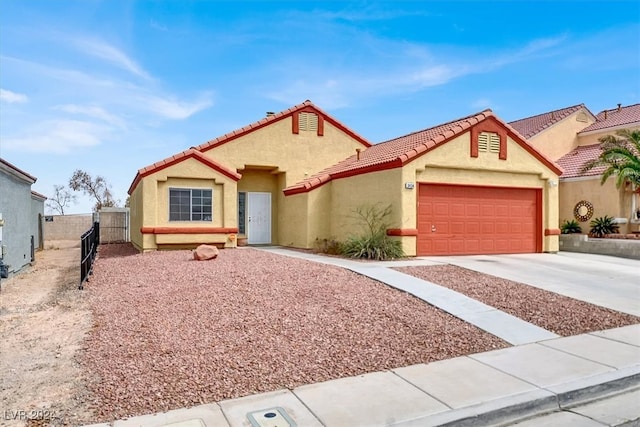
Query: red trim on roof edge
x: 178, y: 158
x: 402, y: 232
x: 188, y: 230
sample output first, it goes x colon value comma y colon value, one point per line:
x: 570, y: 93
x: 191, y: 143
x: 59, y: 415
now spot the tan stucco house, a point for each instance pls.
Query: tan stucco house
x: 570, y: 136
x: 473, y: 185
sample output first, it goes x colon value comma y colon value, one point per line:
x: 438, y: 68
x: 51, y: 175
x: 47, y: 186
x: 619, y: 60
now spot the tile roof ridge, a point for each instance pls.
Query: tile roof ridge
x: 487, y: 112
x: 615, y: 109
x: 572, y: 107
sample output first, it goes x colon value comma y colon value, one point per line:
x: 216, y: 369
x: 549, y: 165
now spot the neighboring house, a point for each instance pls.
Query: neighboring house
x: 21, y: 211
x: 570, y: 137
x: 470, y: 186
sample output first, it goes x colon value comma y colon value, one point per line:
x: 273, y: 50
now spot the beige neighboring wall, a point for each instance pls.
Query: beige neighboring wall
x: 591, y: 138
x: 606, y: 200
x: 562, y: 137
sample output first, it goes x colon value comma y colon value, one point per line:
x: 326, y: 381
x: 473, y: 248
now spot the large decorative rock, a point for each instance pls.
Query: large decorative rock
x: 205, y: 252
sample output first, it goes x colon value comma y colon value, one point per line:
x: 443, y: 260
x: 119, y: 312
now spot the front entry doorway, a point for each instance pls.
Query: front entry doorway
x: 259, y: 218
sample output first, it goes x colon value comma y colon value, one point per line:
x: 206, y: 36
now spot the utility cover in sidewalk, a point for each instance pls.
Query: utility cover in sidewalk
x: 272, y: 417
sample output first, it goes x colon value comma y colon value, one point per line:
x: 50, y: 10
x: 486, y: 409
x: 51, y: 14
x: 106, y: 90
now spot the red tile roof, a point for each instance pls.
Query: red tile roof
x: 572, y: 162
x: 533, y: 125
x: 19, y: 171
x: 399, y: 151
x: 276, y: 117
x: 197, y: 151
x: 184, y: 155
x: 615, y: 118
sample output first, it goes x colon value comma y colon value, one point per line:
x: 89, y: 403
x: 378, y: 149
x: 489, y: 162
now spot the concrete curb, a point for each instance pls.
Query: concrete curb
x: 510, y: 409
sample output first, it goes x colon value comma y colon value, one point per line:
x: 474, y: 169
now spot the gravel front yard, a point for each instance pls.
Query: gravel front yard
x: 557, y: 313
x: 172, y: 332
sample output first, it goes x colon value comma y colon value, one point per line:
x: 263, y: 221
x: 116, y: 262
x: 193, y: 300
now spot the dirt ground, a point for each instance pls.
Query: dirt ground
x: 43, y: 321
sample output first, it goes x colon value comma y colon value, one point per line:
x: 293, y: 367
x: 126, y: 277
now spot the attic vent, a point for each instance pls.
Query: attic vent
x: 309, y: 122
x: 582, y: 117
x: 489, y: 142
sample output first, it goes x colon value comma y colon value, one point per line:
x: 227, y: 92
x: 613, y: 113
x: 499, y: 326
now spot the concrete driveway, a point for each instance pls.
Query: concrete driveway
x: 598, y: 279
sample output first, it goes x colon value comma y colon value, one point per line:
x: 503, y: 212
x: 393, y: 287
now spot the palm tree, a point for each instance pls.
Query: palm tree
x: 621, y: 157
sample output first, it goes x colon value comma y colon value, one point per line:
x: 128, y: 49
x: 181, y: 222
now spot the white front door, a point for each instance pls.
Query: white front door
x: 259, y: 218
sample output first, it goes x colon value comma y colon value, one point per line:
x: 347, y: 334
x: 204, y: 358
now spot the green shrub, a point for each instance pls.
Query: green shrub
x: 327, y: 246
x: 373, y: 242
x: 570, y: 227
x: 603, y: 225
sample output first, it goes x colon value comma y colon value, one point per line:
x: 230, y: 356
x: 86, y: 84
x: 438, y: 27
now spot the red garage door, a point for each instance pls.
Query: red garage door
x: 468, y: 220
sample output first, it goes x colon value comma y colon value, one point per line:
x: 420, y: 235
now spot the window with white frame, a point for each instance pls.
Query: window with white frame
x: 190, y: 204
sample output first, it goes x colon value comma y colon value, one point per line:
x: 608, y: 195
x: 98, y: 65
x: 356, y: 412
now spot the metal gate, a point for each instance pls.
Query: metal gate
x: 114, y: 225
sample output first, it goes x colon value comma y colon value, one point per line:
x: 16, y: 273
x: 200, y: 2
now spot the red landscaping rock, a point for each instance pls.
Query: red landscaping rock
x: 205, y: 252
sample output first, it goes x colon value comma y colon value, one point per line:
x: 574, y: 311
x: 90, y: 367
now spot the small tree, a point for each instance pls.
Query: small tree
x: 97, y: 187
x: 60, y: 199
x: 621, y: 157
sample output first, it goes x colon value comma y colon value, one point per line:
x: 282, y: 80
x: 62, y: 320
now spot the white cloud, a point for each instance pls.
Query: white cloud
x: 12, y: 97
x: 57, y: 136
x: 92, y: 111
x: 111, y: 54
x: 435, y: 75
x: 174, y: 109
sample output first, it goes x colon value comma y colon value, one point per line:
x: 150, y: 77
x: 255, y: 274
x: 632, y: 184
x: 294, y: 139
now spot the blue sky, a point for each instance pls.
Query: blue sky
x: 112, y: 86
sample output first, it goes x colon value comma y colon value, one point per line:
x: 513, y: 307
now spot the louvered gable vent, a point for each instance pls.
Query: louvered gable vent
x: 308, y: 122
x: 489, y: 142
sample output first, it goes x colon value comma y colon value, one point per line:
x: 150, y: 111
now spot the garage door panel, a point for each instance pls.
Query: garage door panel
x: 457, y: 227
x: 477, y: 220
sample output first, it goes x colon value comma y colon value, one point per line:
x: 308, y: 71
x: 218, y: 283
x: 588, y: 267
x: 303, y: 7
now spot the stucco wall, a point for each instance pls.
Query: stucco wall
x: 294, y: 221
x: 299, y: 155
x: 379, y: 189
x: 606, y: 200
x: 150, y: 201
x: 137, y: 216
x: 37, y: 218
x: 15, y: 206
x: 559, y: 139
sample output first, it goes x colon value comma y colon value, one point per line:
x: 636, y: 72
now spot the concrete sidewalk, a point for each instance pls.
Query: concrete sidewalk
x: 492, y: 388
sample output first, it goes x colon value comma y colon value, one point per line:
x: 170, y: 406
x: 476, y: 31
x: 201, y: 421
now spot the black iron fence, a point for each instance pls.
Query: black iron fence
x: 89, y: 242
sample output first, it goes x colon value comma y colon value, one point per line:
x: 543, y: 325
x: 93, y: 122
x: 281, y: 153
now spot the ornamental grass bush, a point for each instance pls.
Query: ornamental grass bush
x: 372, y: 242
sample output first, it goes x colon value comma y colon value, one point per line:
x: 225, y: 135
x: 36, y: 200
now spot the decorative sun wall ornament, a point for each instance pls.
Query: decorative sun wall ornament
x: 583, y: 211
